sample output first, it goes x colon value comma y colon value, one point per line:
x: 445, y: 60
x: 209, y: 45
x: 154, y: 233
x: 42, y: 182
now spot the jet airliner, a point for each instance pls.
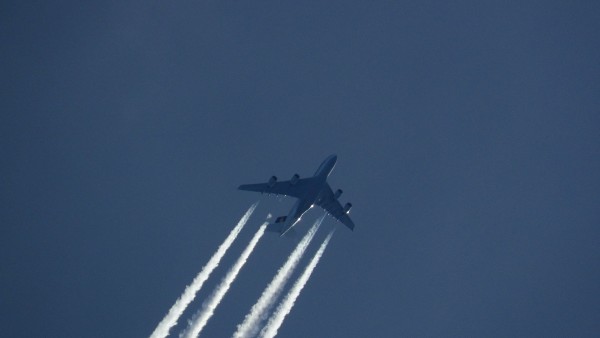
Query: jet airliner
x: 309, y: 192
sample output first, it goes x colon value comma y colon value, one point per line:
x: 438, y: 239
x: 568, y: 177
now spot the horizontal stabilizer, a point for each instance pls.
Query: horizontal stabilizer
x: 275, y: 227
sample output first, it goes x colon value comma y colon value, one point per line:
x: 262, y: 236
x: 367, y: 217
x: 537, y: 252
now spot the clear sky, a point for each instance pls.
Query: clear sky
x: 467, y: 135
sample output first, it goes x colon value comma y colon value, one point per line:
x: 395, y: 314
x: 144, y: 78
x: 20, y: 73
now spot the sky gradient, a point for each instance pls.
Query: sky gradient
x: 467, y: 136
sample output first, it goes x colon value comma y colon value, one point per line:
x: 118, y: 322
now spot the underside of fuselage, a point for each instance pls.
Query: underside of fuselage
x: 300, y: 207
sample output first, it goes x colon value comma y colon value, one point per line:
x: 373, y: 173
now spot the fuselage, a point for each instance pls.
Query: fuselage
x: 306, y: 202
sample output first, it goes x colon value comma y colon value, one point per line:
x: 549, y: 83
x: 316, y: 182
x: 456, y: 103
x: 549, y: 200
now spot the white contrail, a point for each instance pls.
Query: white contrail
x: 286, y: 305
x: 201, y: 317
x: 170, y: 320
x: 251, y: 324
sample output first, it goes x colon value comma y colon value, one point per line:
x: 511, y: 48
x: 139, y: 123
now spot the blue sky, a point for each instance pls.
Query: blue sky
x: 467, y: 140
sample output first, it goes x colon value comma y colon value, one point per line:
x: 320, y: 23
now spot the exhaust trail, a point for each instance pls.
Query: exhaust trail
x: 259, y: 311
x: 286, y: 305
x: 201, y: 317
x: 188, y: 295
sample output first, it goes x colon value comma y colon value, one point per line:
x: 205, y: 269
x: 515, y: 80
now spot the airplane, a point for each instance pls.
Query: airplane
x: 309, y: 192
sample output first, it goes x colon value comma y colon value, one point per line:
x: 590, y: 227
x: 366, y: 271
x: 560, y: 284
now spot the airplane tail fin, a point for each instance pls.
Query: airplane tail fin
x: 280, y: 219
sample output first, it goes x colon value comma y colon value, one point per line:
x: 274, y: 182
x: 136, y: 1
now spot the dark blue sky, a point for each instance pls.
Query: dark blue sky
x: 468, y: 141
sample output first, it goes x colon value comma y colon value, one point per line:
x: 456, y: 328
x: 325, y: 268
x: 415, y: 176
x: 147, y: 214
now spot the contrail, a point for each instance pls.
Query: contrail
x: 286, y: 305
x: 201, y: 317
x: 170, y: 320
x: 251, y: 324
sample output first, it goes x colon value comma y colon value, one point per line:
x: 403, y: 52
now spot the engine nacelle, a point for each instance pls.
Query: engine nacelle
x: 347, y: 207
x: 338, y: 193
x: 272, y: 181
x: 295, y: 179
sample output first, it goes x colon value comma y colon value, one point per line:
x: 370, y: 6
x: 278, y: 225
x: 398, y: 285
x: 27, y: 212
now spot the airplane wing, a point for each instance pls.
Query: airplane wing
x: 334, y: 208
x: 285, y: 188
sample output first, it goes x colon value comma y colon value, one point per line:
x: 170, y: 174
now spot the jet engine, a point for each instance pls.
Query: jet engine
x: 347, y: 207
x: 272, y: 181
x: 338, y: 193
x: 295, y: 179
